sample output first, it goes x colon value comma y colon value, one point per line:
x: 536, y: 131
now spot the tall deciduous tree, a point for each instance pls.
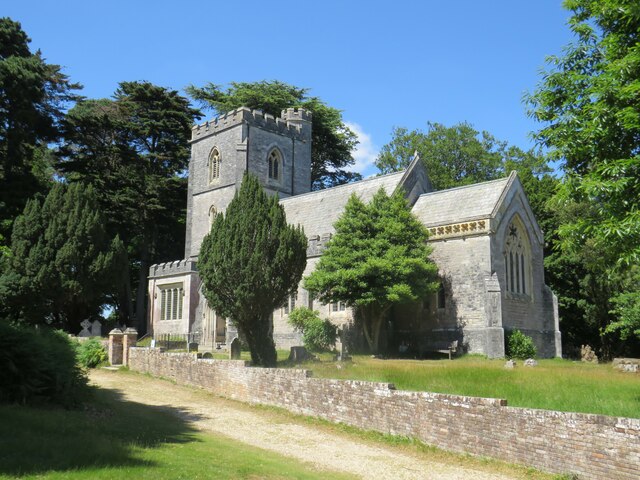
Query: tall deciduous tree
x: 62, y: 264
x: 33, y: 95
x: 457, y: 155
x: 250, y: 263
x: 589, y: 105
x: 378, y: 257
x: 135, y: 149
x: 332, y: 140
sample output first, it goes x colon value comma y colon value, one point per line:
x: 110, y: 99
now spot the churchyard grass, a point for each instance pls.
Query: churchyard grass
x: 114, y: 438
x: 552, y: 385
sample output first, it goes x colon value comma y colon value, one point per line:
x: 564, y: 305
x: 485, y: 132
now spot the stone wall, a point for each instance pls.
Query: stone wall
x: 592, y: 446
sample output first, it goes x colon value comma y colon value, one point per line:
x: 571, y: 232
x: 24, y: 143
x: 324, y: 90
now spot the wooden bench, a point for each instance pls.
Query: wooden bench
x: 445, y: 347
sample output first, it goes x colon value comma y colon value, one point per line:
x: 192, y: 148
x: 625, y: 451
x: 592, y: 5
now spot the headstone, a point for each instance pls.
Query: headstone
x: 511, y: 364
x: 207, y: 355
x: 629, y: 365
x: 234, y: 349
x: 96, y: 328
x: 85, y: 324
x: 530, y: 362
x: 588, y: 355
x: 298, y: 354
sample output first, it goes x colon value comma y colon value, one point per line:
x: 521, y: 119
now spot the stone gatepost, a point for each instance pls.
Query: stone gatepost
x: 115, y: 346
x: 129, y: 339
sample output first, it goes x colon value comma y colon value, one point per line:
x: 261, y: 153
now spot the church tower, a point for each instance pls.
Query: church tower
x: 277, y: 150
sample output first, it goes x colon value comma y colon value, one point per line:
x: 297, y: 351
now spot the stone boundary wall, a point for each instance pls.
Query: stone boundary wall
x: 592, y: 446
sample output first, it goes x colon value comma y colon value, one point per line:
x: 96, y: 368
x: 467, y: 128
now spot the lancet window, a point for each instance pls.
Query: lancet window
x: 214, y: 164
x: 517, y: 258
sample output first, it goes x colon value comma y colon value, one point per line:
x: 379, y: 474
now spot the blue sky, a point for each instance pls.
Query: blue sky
x: 383, y: 63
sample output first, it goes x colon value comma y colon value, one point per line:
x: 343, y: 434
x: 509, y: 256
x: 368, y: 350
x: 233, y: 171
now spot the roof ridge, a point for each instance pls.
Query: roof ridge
x: 461, y: 187
x: 324, y: 190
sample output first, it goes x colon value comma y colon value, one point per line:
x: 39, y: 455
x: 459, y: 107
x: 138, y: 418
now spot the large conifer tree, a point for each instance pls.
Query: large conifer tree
x: 62, y: 265
x: 250, y: 262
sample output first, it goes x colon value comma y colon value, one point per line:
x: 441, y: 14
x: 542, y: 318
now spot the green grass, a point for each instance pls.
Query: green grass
x: 553, y: 385
x: 120, y: 439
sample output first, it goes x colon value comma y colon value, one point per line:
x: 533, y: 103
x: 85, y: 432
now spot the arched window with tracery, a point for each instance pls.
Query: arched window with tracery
x: 275, y: 164
x: 214, y: 164
x: 517, y: 259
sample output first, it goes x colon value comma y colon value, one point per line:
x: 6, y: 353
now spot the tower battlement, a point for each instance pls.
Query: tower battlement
x: 294, y: 122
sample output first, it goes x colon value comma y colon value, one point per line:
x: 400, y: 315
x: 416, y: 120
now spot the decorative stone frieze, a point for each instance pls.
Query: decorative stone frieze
x: 464, y: 229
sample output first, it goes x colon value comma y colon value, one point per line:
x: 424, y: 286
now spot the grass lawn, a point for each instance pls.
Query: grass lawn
x: 122, y: 439
x: 552, y: 385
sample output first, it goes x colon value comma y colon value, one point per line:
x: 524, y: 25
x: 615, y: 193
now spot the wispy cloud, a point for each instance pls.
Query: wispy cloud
x: 366, y: 151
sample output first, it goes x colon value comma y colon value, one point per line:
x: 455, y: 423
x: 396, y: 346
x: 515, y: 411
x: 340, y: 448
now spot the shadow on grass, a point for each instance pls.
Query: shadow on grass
x: 107, y: 432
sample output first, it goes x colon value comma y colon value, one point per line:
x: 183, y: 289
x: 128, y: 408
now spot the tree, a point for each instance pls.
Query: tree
x: 135, y: 149
x: 457, y: 155
x: 33, y: 95
x: 332, y: 140
x: 61, y: 264
x: 589, y: 105
x: 377, y: 258
x: 250, y: 263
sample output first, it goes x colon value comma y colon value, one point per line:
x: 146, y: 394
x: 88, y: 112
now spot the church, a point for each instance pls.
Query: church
x: 486, y: 243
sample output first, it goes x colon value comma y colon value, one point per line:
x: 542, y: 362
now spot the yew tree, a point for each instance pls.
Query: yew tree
x: 377, y: 258
x: 249, y: 263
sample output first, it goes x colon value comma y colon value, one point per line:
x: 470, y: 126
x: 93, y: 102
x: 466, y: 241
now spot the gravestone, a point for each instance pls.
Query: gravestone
x: 234, y: 349
x: 511, y: 364
x: 85, y: 324
x: 588, y: 355
x: 298, y: 354
x: 530, y: 362
x: 96, y: 328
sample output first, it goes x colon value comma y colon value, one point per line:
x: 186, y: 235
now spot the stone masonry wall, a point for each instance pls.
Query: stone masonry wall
x: 592, y: 446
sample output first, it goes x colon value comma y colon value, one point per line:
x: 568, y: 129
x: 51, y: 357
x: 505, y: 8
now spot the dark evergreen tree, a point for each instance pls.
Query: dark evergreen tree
x: 331, y: 142
x: 33, y: 96
x: 377, y: 258
x: 135, y: 150
x: 62, y: 265
x: 250, y: 263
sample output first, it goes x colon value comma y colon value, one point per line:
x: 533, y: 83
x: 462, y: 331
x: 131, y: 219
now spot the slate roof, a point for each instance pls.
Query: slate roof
x: 460, y: 204
x: 318, y: 211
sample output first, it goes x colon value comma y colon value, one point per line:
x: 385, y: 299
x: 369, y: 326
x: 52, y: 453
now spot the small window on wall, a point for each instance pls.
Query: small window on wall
x: 212, y: 215
x: 214, y: 165
x: 275, y: 164
x: 517, y: 259
x: 338, y: 307
x: 442, y: 296
x: 290, y: 303
x: 171, y: 300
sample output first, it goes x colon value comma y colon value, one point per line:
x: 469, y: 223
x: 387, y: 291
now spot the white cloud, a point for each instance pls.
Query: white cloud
x: 366, y: 151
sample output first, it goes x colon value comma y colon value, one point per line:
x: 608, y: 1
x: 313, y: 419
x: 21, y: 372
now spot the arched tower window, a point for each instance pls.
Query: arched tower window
x: 517, y: 259
x: 214, y: 164
x: 275, y: 164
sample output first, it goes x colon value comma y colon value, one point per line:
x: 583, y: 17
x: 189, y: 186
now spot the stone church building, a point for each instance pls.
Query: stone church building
x: 486, y: 243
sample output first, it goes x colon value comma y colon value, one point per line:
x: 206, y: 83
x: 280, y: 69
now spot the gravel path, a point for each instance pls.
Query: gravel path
x: 324, y: 450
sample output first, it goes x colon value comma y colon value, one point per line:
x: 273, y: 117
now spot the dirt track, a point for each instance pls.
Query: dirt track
x: 314, y: 445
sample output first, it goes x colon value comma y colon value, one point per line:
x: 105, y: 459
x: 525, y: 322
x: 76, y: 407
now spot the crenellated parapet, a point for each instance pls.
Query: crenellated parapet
x: 172, y: 268
x: 294, y: 122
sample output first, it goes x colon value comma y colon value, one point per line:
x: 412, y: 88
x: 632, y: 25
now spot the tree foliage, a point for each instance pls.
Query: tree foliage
x: 332, y: 140
x: 250, y: 263
x: 589, y: 105
x: 134, y: 149
x: 317, y: 334
x: 33, y: 96
x: 457, y: 155
x: 378, y: 257
x: 62, y: 264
